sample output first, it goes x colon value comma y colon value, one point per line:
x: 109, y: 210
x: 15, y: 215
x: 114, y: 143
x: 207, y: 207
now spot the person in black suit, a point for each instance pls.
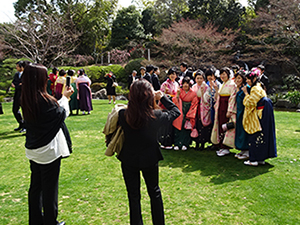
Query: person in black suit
x: 17, y: 84
x: 141, y: 151
x: 131, y: 78
x: 155, y: 79
x: 145, y: 73
x: 263, y: 78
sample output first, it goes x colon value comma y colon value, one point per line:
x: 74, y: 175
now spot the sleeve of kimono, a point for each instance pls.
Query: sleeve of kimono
x: 252, y: 99
x: 191, y: 114
x: 163, y: 87
x: 232, y: 102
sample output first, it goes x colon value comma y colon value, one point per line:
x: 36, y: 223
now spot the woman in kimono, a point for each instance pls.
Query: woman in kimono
x: 225, y: 111
x: 84, y: 96
x: 73, y: 103
x: 187, y: 102
x: 203, y: 117
x: 258, y: 122
x: 241, y: 137
x: 60, y: 84
x: 51, y: 81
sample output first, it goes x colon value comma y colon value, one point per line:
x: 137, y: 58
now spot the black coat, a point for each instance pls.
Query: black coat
x: 155, y: 82
x: 141, y: 148
x: 147, y: 77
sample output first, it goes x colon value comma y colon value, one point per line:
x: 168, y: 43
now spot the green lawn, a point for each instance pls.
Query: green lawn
x: 197, y: 187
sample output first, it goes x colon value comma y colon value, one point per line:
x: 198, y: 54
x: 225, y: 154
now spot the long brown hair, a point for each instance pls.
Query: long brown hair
x: 34, y: 83
x: 141, y: 104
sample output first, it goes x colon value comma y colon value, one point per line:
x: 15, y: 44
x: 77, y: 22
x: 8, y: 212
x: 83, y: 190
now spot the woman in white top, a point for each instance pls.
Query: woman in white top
x: 47, y: 141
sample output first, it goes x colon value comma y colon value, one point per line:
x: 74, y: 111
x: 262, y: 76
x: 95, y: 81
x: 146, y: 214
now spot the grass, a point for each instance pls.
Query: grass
x: 197, y: 187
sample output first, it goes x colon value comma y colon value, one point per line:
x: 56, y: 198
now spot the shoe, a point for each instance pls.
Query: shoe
x: 261, y: 162
x: 245, y: 156
x: 239, y: 154
x: 168, y: 147
x: 184, y: 148
x: 248, y: 163
x: 23, y: 130
x: 176, y: 148
x: 162, y: 146
x: 114, y: 102
x: 89, y: 112
x: 18, y: 128
x: 109, y: 102
x: 83, y: 112
x: 223, y: 152
x: 62, y: 223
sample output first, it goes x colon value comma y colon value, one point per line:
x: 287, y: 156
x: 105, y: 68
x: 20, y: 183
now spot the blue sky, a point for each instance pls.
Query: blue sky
x: 7, y: 9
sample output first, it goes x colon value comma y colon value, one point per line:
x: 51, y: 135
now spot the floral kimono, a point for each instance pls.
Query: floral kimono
x: 226, y: 102
x: 187, y: 104
x: 203, y: 117
x: 166, y: 133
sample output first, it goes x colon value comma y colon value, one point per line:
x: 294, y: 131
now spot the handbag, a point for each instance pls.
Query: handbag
x: 228, y: 126
x: 194, y: 133
x: 188, y: 125
x: 115, y: 84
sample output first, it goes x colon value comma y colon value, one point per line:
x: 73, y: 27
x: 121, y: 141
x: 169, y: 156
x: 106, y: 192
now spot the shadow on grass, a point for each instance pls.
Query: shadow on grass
x: 9, y: 134
x: 219, y: 169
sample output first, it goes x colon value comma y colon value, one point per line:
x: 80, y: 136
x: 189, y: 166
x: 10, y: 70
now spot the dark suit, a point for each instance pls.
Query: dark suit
x: 265, y: 80
x: 130, y: 80
x: 147, y: 77
x: 155, y: 82
x: 16, y: 104
x: 141, y: 152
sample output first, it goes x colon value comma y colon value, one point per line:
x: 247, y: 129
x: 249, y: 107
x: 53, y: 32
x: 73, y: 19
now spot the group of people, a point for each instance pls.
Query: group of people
x: 225, y: 107
x: 81, y: 99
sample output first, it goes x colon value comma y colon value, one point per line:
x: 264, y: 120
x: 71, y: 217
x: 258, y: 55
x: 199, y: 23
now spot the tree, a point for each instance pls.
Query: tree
x: 126, y: 27
x: 40, y: 37
x: 223, y: 14
x: 188, y: 41
x: 148, y: 20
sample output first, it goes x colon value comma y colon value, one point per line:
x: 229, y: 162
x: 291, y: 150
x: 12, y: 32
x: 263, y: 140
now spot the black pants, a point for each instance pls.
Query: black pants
x: 132, y: 180
x: 43, y: 192
x: 16, y: 108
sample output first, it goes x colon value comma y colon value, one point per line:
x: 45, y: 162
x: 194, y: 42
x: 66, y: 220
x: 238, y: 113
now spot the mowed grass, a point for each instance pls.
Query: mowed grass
x: 197, y: 187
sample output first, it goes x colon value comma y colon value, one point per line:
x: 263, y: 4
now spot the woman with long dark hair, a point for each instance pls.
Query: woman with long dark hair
x: 84, y: 95
x: 258, y: 121
x: 47, y: 142
x: 141, y: 151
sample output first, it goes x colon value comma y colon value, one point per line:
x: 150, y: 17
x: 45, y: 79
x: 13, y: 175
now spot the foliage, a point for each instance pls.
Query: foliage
x: 149, y: 22
x: 97, y: 86
x: 188, y: 41
x: 121, y: 90
x: 119, y: 56
x: 75, y: 60
x: 134, y: 64
x: 197, y: 187
x: 126, y: 27
x: 222, y: 14
x: 292, y: 82
x: 293, y: 96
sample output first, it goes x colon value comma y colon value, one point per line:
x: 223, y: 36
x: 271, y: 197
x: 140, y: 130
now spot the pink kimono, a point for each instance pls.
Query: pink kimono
x: 190, y: 96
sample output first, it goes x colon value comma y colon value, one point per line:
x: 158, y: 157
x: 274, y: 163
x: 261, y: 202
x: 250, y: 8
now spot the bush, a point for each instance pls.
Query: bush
x: 291, y: 82
x: 134, y: 64
x: 293, y: 97
x: 97, y: 86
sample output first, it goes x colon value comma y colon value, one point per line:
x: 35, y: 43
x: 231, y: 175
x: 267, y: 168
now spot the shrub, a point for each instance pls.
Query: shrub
x: 97, y: 86
x: 134, y: 64
x: 119, y: 56
x: 293, y: 97
x: 291, y: 81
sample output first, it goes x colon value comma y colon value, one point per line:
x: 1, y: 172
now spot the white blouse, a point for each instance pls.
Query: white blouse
x: 56, y: 148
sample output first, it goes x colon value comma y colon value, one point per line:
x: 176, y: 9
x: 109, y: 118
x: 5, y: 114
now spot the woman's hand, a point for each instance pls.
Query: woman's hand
x: 166, y: 89
x: 158, y: 95
x: 228, y: 114
x: 178, y: 93
x: 215, y: 86
x: 68, y: 91
x: 245, y: 89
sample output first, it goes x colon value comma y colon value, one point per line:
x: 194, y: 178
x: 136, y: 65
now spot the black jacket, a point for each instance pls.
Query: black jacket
x: 155, y: 82
x: 147, y: 77
x: 41, y: 131
x: 141, y: 148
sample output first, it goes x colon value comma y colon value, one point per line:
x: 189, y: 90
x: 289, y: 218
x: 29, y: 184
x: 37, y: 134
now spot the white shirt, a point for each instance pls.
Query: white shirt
x: 56, y: 148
